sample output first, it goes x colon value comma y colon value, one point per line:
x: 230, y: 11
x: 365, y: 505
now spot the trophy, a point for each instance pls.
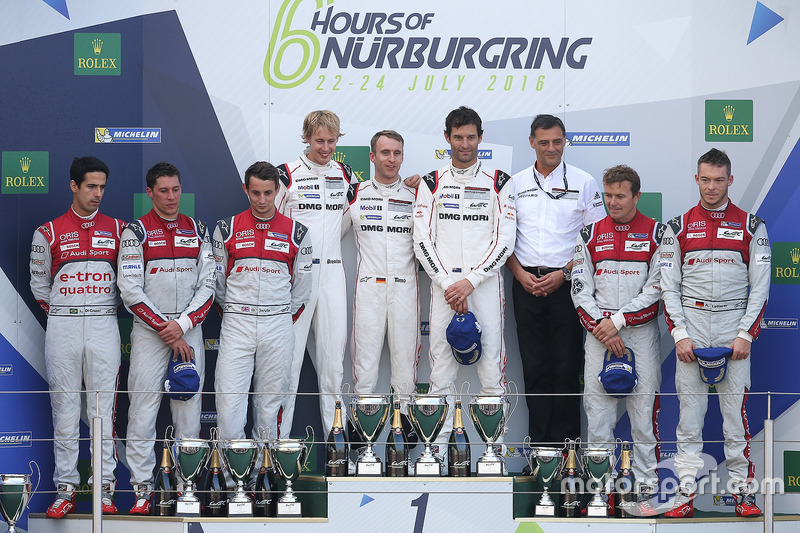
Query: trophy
x: 368, y: 413
x: 548, y: 464
x: 488, y: 416
x: 15, y: 493
x: 428, y: 413
x: 239, y: 457
x: 598, y: 464
x: 290, y: 457
x: 189, y: 457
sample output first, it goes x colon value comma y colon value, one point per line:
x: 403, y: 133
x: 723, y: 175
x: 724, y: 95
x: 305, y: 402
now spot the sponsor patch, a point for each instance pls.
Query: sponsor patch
x: 604, y: 247
x: 103, y: 242
x: 186, y: 242
x: 637, y: 246
x: 476, y: 193
x: 275, y: 245
x: 696, y: 235
x: 246, y: 244
x: 276, y: 235
x: 732, y: 234
x: 155, y: 244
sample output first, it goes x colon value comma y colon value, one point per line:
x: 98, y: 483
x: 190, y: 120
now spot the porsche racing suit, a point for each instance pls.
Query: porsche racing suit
x: 315, y: 196
x: 387, y: 292
x: 464, y: 228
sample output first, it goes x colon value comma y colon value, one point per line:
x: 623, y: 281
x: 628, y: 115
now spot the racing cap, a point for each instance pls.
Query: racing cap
x: 712, y: 362
x: 464, y: 337
x: 183, y: 381
x: 618, y: 375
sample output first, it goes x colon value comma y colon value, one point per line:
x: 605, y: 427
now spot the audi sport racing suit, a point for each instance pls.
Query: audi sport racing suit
x: 166, y: 272
x: 465, y: 228
x: 386, y: 294
x: 615, y: 276
x: 709, y: 260
x: 315, y: 196
x: 263, y: 283
x: 74, y: 279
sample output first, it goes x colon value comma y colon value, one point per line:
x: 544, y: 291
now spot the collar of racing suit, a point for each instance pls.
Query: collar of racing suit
x: 465, y: 174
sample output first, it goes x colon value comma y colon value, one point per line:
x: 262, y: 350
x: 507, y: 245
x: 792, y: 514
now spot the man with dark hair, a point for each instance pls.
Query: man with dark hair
x: 715, y: 275
x: 615, y: 289
x: 554, y: 201
x: 386, y: 292
x: 464, y: 224
x: 314, y: 192
x: 263, y: 284
x: 74, y: 279
x: 166, y: 279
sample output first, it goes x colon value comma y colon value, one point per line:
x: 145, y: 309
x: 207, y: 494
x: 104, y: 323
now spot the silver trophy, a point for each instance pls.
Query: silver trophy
x: 598, y: 464
x: 368, y: 413
x: 15, y: 493
x: 488, y: 415
x: 290, y: 457
x: 548, y: 462
x: 189, y: 457
x: 239, y: 457
x: 428, y: 413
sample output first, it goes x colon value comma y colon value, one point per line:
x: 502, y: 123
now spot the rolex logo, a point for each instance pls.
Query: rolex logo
x: 794, y: 253
x: 97, y: 46
x: 339, y: 157
x: 728, y: 110
x: 25, y: 163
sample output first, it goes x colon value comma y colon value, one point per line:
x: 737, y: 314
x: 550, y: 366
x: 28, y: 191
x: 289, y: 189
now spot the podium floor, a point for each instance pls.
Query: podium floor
x: 413, y: 505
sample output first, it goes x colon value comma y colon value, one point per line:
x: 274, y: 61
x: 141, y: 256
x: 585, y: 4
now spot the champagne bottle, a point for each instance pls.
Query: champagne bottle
x: 266, y: 486
x: 164, y: 495
x: 336, y: 446
x: 459, y: 463
x: 571, y: 505
x: 396, y: 447
x: 626, y: 497
x: 216, y: 491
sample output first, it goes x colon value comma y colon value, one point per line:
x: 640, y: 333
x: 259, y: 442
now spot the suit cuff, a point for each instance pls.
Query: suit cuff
x: 184, y: 322
x: 744, y: 335
x: 678, y: 334
x: 619, y: 320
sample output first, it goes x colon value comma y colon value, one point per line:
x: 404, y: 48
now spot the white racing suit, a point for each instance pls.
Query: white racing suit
x: 386, y: 301
x: 465, y: 228
x: 166, y: 272
x: 263, y: 283
x: 315, y: 196
x: 715, y: 274
x: 615, y: 275
x: 74, y: 279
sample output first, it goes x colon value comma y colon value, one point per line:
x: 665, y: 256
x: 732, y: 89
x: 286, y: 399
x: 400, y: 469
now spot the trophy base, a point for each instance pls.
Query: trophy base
x: 187, y: 508
x: 237, y: 508
x: 597, y: 511
x: 289, y: 510
x: 369, y: 469
x: 489, y: 468
x: 427, y: 469
x: 545, y: 510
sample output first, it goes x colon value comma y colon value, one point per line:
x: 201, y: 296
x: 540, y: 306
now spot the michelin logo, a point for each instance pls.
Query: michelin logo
x: 447, y: 154
x: 6, y: 370
x: 16, y: 439
x: 127, y: 135
x: 766, y: 323
x: 208, y: 417
x: 599, y: 138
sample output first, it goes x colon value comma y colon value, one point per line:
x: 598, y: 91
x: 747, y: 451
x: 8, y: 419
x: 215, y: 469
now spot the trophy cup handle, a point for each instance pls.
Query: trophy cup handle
x: 309, y: 434
x: 31, y: 464
x: 345, y: 388
x: 513, y: 390
x: 527, y: 451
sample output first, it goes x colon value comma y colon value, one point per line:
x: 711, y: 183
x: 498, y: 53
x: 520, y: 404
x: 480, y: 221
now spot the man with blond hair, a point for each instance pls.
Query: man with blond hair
x: 314, y: 192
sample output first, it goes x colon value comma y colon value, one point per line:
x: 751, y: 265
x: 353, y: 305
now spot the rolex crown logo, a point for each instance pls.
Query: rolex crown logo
x: 794, y: 253
x: 25, y: 163
x: 728, y: 110
x: 339, y: 157
x: 97, y: 46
